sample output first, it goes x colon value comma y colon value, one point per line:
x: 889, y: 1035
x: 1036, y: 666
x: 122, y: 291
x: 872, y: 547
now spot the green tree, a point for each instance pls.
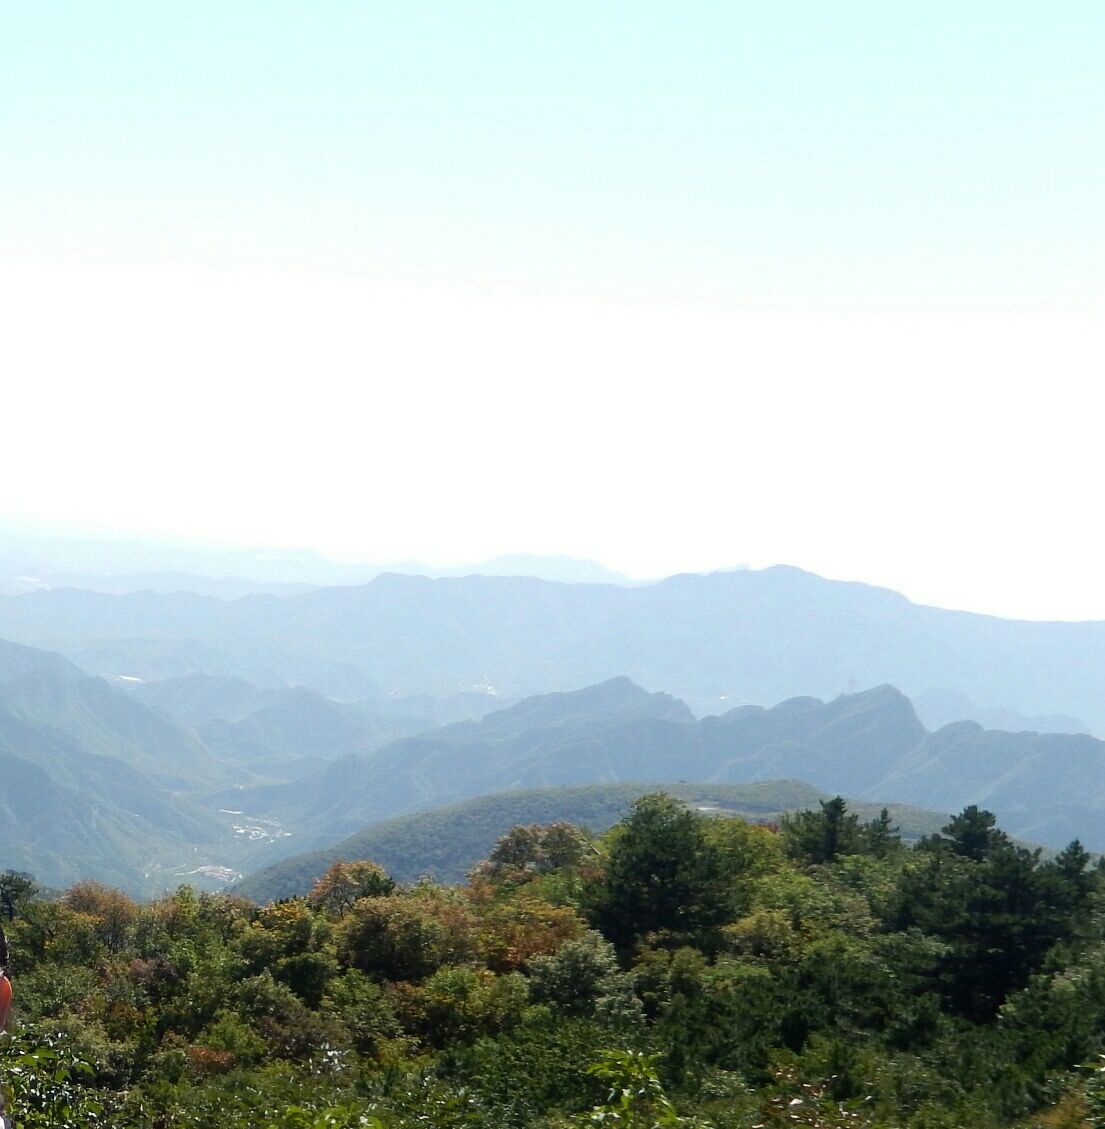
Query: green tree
x: 1072, y: 868
x: 973, y: 834
x: 997, y: 915
x: 16, y: 890
x: 880, y: 837
x: 406, y: 936
x: 821, y: 836
x: 461, y: 1003
x: 635, y: 1099
x: 288, y: 940
x: 534, y: 849
x: 363, y: 1008
x: 582, y: 978
x: 662, y: 875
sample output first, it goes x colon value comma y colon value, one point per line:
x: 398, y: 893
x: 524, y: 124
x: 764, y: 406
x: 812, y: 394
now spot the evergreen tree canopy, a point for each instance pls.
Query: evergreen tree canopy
x: 662, y: 875
x: 821, y: 836
x: 973, y: 834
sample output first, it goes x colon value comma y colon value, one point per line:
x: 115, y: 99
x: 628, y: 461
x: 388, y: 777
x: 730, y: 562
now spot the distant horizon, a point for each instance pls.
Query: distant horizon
x: 59, y: 533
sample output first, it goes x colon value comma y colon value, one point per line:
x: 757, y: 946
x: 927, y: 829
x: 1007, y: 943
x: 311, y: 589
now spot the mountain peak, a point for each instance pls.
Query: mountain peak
x: 619, y: 695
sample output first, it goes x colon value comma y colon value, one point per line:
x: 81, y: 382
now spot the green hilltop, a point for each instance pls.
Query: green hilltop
x: 445, y: 843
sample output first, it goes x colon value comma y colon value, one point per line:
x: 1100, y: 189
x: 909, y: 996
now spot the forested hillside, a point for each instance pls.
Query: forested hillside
x: 679, y: 970
x: 91, y: 781
x: 445, y: 843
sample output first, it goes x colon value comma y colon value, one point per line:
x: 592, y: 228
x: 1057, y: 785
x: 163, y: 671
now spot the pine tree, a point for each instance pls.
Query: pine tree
x: 880, y: 837
x: 973, y: 834
x: 821, y: 836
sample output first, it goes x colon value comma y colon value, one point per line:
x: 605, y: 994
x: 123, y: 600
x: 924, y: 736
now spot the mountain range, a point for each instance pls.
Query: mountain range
x: 286, y: 732
x: 111, y: 781
x: 90, y: 781
x: 143, y: 784
x: 870, y: 745
x: 150, y: 735
x: 714, y: 641
x: 31, y: 560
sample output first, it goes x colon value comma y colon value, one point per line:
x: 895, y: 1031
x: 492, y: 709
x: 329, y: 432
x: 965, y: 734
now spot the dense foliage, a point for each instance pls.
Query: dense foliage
x: 679, y: 970
x: 447, y: 842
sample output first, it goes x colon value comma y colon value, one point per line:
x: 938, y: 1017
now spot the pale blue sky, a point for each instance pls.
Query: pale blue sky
x: 674, y: 286
x: 785, y: 152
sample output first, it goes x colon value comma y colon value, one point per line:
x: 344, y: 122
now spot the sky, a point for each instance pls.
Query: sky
x: 671, y: 286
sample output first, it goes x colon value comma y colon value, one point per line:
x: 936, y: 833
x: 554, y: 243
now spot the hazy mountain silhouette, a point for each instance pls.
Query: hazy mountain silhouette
x: 31, y: 562
x: 107, y: 782
x: 290, y: 731
x: 47, y: 694
x: 89, y: 779
x: 937, y: 708
x: 102, y: 781
x: 759, y: 636
x: 870, y: 745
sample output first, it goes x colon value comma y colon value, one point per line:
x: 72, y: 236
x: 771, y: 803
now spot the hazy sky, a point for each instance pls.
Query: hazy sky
x: 674, y: 286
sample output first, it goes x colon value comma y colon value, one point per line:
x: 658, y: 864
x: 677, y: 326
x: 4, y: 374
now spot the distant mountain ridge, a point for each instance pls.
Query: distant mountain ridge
x: 135, y: 782
x: 758, y: 636
x: 31, y: 562
x: 289, y: 731
x: 870, y: 745
x: 937, y: 708
x: 48, y: 693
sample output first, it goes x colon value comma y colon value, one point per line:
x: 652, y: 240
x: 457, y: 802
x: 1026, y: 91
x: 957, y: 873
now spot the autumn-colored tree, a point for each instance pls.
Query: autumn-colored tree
x: 515, y: 928
x: 408, y: 934
x: 346, y: 882
x: 113, y: 912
